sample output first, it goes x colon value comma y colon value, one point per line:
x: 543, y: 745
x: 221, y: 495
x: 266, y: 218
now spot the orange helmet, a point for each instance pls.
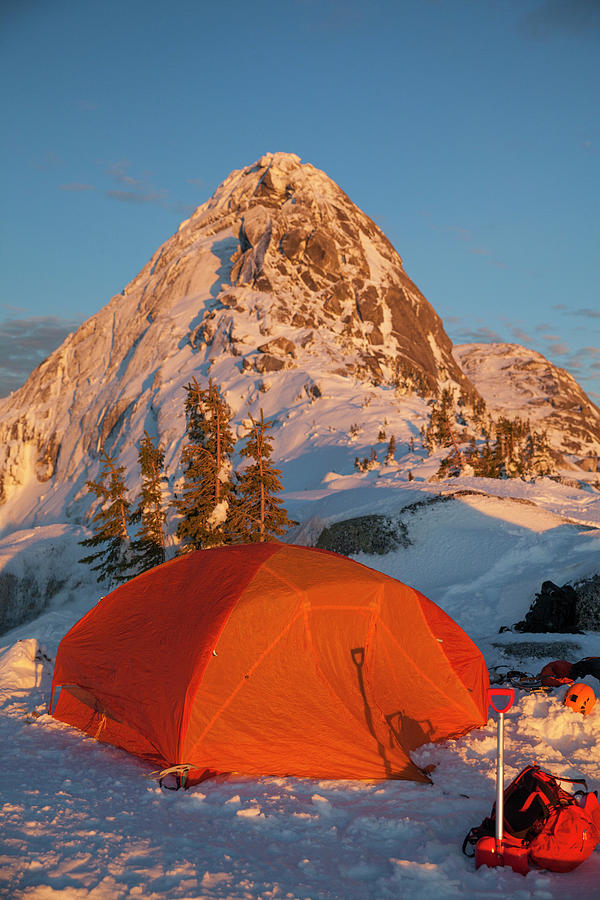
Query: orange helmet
x: 581, y: 698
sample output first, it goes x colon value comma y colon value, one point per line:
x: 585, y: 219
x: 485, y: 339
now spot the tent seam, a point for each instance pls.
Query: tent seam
x: 189, y: 698
x: 420, y: 671
x: 242, y: 682
x: 443, y: 652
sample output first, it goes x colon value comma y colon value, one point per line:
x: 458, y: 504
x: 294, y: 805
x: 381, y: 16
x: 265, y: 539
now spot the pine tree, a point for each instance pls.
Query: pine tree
x: 391, y: 449
x: 148, y: 548
x: 516, y: 451
x: 537, y: 454
x: 204, y: 505
x: 111, y: 539
x: 439, y: 432
x: 258, y: 513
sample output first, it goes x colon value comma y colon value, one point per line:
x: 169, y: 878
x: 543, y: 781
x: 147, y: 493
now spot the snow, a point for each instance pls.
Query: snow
x: 81, y: 819
x: 218, y: 515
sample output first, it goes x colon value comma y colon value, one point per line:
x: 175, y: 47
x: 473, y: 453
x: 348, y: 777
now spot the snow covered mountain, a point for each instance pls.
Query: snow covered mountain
x: 293, y: 300
x: 515, y: 381
x: 278, y: 273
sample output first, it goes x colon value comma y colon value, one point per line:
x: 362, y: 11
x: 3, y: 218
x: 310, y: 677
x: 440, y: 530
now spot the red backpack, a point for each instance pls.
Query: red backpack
x: 559, y: 830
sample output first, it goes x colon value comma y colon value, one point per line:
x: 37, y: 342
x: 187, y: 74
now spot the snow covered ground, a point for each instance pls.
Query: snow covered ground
x: 80, y: 819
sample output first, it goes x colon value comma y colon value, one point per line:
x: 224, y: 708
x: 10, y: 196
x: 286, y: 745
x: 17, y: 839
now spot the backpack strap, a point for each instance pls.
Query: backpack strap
x: 486, y: 829
x: 531, y: 798
x: 550, y: 775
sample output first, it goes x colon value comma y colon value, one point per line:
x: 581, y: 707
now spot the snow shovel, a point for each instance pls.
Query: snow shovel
x: 498, y: 851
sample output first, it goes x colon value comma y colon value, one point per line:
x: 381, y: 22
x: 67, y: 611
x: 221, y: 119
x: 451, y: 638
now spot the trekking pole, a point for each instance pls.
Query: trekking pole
x: 510, y: 693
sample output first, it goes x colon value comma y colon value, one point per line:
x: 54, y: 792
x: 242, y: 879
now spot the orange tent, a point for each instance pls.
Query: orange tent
x: 270, y: 659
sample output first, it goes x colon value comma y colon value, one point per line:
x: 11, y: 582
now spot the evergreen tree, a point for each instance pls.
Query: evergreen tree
x: 391, y: 450
x: 259, y: 514
x: 439, y: 432
x: 204, y: 505
x: 516, y: 450
x: 148, y: 548
x: 537, y: 454
x: 110, y: 540
x: 372, y: 461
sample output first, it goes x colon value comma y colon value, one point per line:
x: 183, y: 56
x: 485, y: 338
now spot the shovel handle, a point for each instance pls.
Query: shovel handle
x: 501, y: 692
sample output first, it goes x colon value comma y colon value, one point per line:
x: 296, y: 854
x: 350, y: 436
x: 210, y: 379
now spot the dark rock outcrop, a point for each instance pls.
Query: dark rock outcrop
x: 366, y: 534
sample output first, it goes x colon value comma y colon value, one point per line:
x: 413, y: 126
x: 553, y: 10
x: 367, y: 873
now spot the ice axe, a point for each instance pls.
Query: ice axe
x: 495, y: 851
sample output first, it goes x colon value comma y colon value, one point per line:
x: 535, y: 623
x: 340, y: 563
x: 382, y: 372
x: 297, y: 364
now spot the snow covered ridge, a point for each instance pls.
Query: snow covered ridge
x: 283, y: 291
x: 515, y: 381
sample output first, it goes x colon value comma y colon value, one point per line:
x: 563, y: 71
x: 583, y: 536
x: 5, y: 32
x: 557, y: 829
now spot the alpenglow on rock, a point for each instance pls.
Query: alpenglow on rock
x: 515, y: 381
x: 281, y: 290
x: 278, y: 270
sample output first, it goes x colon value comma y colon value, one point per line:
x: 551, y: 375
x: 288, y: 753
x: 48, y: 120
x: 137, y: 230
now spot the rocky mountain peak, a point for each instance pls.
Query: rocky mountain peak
x: 290, y: 239
x: 277, y: 282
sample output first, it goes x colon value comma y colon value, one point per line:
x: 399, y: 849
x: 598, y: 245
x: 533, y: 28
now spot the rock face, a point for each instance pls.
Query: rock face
x: 297, y: 238
x: 278, y: 270
x: 515, y: 381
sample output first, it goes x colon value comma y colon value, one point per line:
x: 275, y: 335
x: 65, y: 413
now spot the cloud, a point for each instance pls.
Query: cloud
x: 25, y: 343
x: 467, y: 238
x: 559, y: 348
x: 160, y: 198
x: 462, y: 234
x: 585, y: 359
x: 139, y: 196
x: 481, y: 335
x: 586, y: 313
x: 76, y: 186
x: 118, y: 172
x: 13, y: 309
x: 522, y: 336
x: 578, y: 18
x: 139, y: 191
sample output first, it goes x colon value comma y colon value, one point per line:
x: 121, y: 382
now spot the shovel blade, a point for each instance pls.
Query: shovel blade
x: 490, y: 852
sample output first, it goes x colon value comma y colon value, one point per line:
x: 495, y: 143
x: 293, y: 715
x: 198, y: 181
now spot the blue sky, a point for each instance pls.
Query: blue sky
x: 467, y: 129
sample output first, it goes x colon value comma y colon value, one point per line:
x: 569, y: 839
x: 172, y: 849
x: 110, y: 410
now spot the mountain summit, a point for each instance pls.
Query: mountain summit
x: 323, y: 269
x: 277, y: 270
x: 278, y: 287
